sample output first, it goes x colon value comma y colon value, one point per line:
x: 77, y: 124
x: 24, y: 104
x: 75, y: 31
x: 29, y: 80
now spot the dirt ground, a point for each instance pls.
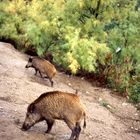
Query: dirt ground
x: 109, y: 117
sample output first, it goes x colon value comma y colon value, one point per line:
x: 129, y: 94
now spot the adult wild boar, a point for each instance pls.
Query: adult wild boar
x: 43, y: 67
x: 57, y: 105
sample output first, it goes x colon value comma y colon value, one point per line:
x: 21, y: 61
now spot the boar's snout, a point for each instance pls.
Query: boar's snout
x: 25, y: 127
x: 26, y: 66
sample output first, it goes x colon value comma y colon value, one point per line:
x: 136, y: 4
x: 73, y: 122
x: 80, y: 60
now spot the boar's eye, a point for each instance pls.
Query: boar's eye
x: 32, y: 108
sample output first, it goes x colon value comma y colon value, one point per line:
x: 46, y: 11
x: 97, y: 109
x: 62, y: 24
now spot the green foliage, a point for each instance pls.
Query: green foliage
x: 123, y: 32
x: 82, y: 34
x: 80, y: 52
x: 135, y: 93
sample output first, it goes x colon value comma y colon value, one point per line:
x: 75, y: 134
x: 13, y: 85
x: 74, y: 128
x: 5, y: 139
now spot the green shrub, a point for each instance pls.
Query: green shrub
x: 135, y: 93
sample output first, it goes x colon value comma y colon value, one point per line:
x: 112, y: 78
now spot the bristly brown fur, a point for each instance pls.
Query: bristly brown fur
x: 57, y: 105
x: 42, y: 66
x: 51, y: 93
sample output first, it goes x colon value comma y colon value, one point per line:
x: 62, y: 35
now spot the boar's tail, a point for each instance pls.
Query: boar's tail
x: 84, y: 126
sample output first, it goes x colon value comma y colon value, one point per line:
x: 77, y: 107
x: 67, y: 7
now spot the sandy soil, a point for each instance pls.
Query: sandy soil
x: 109, y: 117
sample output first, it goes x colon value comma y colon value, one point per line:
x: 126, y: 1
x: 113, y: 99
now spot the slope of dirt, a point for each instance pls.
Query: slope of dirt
x: 109, y: 117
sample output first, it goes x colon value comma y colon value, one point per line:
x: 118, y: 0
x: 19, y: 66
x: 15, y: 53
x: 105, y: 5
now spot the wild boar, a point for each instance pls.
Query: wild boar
x: 43, y: 67
x: 57, y: 105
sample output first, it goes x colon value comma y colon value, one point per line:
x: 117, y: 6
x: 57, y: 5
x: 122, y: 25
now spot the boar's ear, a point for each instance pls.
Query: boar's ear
x: 30, y: 59
x: 32, y: 108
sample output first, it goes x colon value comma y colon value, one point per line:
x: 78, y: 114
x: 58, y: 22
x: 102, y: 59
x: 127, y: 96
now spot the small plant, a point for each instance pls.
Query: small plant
x: 135, y: 93
x: 107, y: 105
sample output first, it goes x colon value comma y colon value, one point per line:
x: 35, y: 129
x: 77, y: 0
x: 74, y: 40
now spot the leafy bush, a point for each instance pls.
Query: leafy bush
x: 135, y: 93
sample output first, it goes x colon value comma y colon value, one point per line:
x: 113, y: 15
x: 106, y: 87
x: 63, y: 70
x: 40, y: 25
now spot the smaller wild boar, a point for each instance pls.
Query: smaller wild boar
x: 57, y: 105
x: 43, y: 67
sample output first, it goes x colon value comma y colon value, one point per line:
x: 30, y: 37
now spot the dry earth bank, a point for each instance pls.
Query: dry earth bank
x: 109, y: 117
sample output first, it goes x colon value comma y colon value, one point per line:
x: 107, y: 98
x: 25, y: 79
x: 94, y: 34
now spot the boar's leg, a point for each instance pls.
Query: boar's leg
x: 72, y: 126
x: 50, y: 124
x: 46, y: 77
x: 77, y: 130
x: 51, y: 81
x: 36, y: 71
x: 40, y: 74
